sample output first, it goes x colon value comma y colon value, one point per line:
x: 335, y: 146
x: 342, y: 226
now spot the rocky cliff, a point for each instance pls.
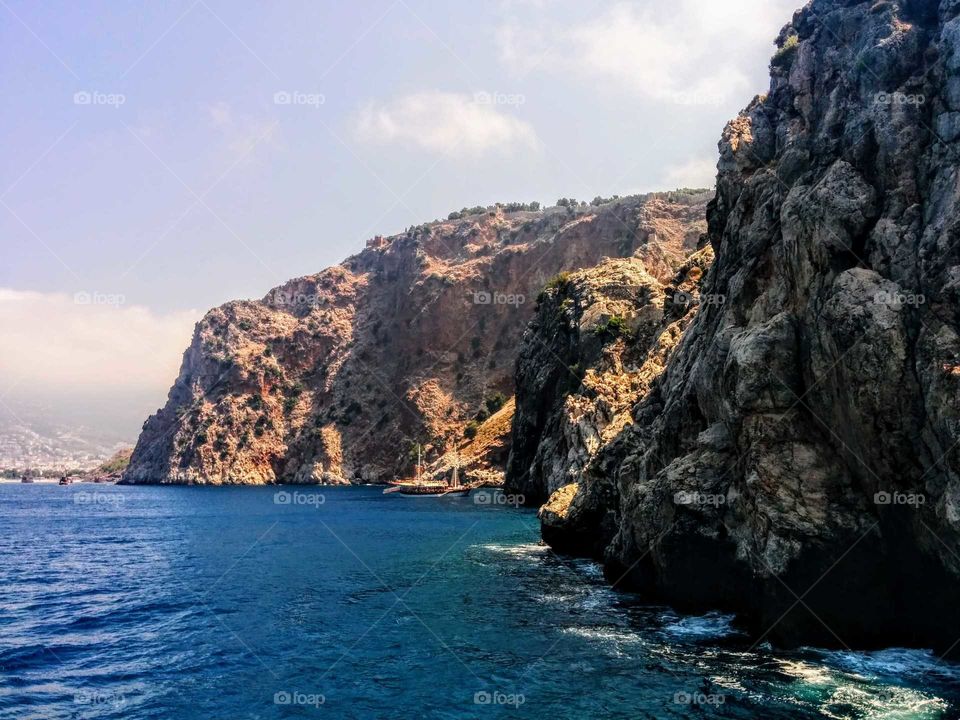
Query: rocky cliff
x: 796, y: 460
x: 335, y: 377
x: 599, y: 340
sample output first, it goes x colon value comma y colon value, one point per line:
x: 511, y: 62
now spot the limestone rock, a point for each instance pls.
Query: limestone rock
x: 335, y: 377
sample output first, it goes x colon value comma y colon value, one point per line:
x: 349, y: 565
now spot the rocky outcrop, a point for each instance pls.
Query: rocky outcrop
x: 797, y: 460
x: 334, y: 377
x: 599, y: 339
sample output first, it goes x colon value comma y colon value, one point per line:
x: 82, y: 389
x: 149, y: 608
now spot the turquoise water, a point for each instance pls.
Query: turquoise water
x: 144, y: 602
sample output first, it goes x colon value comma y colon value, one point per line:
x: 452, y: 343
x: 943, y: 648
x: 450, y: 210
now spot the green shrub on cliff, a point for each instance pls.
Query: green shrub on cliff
x: 558, y: 282
x: 117, y: 463
x: 495, y: 402
x: 613, y: 328
x: 783, y: 57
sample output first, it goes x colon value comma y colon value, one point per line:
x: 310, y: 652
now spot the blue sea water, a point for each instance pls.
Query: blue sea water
x: 182, y: 602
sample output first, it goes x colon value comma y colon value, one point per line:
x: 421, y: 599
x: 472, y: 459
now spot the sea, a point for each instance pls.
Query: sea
x: 251, y: 603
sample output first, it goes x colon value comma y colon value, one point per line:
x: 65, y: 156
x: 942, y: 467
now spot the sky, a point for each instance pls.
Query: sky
x: 161, y: 158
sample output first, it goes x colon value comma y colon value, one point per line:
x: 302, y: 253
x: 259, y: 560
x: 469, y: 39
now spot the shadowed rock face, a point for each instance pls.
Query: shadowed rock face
x: 797, y: 459
x: 333, y: 377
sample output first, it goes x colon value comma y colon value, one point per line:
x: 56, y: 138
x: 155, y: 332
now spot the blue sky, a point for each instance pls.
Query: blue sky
x: 153, y: 169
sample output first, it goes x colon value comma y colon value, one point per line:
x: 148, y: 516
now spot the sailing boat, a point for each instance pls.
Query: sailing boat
x: 455, y: 488
x: 418, y: 487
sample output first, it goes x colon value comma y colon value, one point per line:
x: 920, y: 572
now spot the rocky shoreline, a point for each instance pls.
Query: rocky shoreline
x: 796, y: 460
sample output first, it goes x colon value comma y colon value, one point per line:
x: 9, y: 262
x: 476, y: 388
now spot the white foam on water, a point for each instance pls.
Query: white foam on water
x: 711, y: 625
x: 898, y: 662
x: 558, y: 599
x: 611, y: 639
x: 884, y: 703
x: 525, y: 551
x: 806, y: 672
x: 598, y: 600
x: 835, y: 692
x: 589, y: 568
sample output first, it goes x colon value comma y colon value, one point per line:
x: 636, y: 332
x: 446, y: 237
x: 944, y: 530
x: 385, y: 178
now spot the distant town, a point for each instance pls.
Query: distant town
x: 25, y: 451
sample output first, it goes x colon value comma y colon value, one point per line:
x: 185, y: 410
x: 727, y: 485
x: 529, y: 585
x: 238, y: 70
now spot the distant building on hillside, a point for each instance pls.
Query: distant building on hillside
x: 377, y: 241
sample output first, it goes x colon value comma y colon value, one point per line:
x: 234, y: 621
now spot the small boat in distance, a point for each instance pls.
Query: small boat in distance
x: 65, y: 481
x: 26, y: 479
x: 455, y: 488
x: 418, y: 487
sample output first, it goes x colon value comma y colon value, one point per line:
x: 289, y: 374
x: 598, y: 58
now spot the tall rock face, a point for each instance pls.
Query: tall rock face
x: 334, y: 377
x: 797, y: 460
x: 598, y: 342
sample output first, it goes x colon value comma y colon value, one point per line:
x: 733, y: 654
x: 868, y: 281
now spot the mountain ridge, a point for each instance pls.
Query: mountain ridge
x: 333, y: 377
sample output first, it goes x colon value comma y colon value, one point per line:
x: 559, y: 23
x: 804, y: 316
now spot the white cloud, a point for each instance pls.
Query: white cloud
x: 688, y: 51
x: 63, y: 343
x: 691, y: 173
x: 448, y: 123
